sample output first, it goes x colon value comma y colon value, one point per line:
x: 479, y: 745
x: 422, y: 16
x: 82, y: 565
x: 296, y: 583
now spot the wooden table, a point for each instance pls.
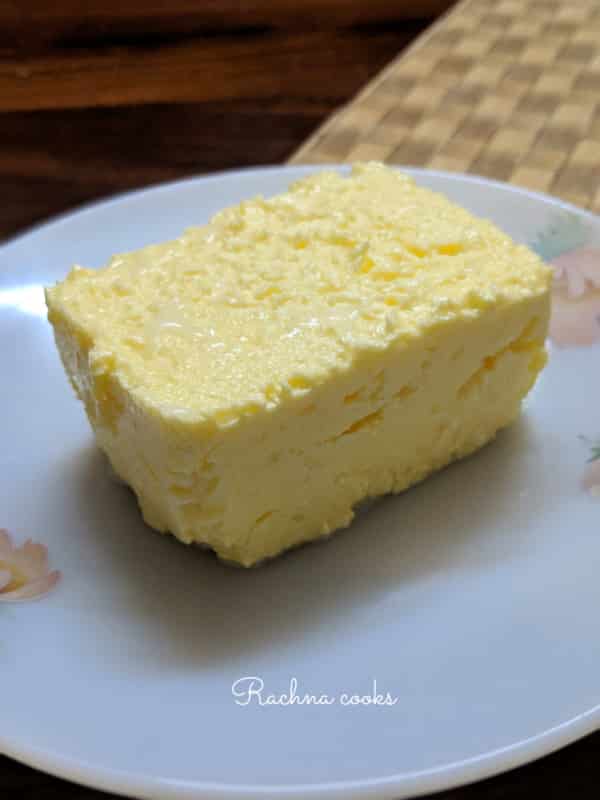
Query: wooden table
x: 128, y: 94
x: 133, y: 93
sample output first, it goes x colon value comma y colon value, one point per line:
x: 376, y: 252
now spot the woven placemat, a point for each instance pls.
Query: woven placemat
x: 509, y: 89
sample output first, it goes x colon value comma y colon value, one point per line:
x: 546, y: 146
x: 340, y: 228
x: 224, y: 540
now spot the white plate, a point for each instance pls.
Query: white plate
x: 472, y: 599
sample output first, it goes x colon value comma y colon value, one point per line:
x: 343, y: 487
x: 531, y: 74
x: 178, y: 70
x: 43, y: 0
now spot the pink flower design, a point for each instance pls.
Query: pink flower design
x: 575, y: 318
x: 24, y: 572
x: 591, y: 478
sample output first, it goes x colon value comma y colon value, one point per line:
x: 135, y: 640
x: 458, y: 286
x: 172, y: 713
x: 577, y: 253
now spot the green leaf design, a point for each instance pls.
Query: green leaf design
x: 566, y: 231
x: 595, y: 453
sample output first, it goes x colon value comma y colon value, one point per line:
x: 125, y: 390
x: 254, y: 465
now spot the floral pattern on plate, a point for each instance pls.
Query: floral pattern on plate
x: 575, y: 322
x: 591, y: 476
x: 565, y: 244
x: 24, y: 571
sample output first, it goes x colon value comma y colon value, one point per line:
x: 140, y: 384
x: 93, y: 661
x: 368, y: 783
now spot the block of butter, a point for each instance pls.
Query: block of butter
x: 255, y: 379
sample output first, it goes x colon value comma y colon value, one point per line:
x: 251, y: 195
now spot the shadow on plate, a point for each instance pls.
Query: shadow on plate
x: 200, y: 613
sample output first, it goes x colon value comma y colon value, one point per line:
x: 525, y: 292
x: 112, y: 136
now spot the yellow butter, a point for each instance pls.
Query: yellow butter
x: 258, y: 377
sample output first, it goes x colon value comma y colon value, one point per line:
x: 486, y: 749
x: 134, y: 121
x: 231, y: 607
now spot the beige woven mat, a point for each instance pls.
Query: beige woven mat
x: 509, y: 89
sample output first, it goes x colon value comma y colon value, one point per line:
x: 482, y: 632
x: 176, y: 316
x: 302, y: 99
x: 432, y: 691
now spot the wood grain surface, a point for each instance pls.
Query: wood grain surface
x: 94, y: 20
x: 99, y: 97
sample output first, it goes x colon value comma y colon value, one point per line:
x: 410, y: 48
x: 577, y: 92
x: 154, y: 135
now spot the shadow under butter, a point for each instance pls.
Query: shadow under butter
x: 189, y: 610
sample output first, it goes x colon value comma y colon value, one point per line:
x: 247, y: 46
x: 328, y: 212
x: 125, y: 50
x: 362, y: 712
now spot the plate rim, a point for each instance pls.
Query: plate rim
x: 400, y: 785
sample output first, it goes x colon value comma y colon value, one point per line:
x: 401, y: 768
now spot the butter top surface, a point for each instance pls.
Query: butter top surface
x: 275, y: 294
